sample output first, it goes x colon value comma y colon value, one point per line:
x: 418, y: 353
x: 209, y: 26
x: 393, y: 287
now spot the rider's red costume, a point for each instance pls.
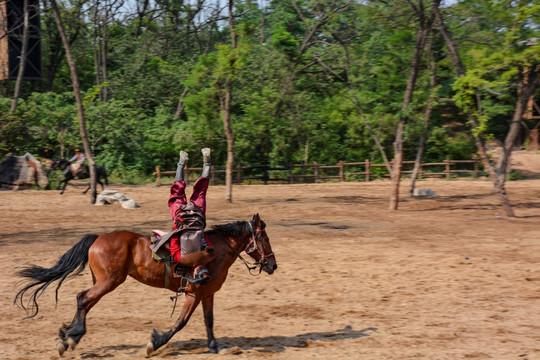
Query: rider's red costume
x: 191, y: 216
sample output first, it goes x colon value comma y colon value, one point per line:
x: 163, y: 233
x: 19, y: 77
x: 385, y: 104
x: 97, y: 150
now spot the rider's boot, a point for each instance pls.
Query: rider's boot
x: 206, y: 164
x: 182, y: 160
x: 201, y: 275
x: 197, y: 260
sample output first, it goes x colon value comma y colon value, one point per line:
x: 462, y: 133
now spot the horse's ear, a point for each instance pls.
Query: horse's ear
x: 256, y: 219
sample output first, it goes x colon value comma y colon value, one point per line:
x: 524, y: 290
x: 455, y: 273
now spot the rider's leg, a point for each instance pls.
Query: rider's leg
x: 199, y: 193
x: 178, y: 189
x: 206, y: 164
x: 183, y: 158
x: 74, y: 169
x: 201, y: 185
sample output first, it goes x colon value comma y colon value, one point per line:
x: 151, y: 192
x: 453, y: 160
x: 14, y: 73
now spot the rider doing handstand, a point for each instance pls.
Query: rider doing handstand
x: 191, y: 248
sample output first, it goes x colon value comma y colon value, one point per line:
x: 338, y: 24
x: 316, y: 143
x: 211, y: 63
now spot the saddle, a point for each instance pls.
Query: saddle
x: 160, y: 246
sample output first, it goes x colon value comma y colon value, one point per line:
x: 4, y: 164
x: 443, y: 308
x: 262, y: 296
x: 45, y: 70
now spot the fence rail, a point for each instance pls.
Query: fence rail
x: 314, y: 172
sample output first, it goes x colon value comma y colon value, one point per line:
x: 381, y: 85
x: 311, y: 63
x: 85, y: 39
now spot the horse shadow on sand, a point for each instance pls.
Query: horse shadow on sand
x: 269, y: 344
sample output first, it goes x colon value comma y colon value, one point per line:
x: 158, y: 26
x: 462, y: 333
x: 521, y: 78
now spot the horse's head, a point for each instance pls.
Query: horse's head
x: 57, y: 164
x: 53, y: 165
x: 259, y: 247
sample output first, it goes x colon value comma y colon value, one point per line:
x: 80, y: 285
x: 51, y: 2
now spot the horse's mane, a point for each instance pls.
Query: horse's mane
x: 236, y: 228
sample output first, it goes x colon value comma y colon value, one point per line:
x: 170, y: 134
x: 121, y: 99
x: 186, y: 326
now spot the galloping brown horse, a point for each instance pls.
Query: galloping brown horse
x: 114, y: 256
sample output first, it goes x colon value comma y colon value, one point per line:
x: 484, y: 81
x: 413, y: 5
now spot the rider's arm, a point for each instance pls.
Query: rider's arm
x: 175, y: 248
x: 73, y: 158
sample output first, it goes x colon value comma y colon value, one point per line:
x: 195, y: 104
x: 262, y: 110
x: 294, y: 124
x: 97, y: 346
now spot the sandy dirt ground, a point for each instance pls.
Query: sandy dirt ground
x: 445, y: 277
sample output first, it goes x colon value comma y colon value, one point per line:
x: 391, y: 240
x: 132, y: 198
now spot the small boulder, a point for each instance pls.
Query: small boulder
x: 107, y: 197
x: 423, y: 192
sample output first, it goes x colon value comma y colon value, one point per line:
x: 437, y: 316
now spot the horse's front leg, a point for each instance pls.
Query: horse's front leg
x: 158, y: 339
x: 63, y: 187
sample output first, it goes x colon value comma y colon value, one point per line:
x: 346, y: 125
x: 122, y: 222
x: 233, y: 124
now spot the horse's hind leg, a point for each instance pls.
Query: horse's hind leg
x: 159, y: 339
x: 70, y: 335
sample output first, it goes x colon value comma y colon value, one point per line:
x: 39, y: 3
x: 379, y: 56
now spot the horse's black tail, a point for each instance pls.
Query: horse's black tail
x: 105, y: 176
x: 74, y: 260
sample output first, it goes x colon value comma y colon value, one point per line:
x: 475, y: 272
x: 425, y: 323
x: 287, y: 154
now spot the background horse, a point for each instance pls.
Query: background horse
x: 65, y: 166
x: 114, y: 256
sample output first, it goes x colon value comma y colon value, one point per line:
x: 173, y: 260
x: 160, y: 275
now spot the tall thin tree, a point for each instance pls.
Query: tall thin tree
x: 22, y: 58
x: 78, y: 99
x: 397, y: 167
x: 225, y: 103
x: 529, y: 77
x: 427, y: 115
x: 459, y: 70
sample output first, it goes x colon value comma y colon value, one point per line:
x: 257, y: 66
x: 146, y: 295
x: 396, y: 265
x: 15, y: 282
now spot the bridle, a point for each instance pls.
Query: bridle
x: 256, y: 244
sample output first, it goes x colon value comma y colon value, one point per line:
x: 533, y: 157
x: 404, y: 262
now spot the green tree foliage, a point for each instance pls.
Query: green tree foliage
x: 302, y: 69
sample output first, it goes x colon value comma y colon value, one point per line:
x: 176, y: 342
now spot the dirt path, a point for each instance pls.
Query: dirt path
x: 445, y: 277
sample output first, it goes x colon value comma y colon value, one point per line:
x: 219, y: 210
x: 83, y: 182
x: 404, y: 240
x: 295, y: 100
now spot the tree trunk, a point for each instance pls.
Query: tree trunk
x: 262, y: 36
x: 526, y: 87
x: 22, y: 59
x: 78, y: 100
x: 95, y: 45
x: 427, y: 118
x: 180, y: 107
x: 104, y: 50
x: 226, y: 111
x: 395, y: 174
x: 459, y: 70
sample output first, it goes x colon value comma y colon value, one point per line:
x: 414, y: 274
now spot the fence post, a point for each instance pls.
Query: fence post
x: 158, y: 176
x: 265, y: 174
x: 315, y: 172
x: 238, y: 174
x: 340, y: 170
x: 475, y: 166
x: 368, y: 170
x: 291, y: 178
x: 213, y: 174
x: 447, y: 161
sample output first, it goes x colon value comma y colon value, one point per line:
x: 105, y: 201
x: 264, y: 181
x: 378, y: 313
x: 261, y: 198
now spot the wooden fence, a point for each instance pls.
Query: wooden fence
x: 353, y: 171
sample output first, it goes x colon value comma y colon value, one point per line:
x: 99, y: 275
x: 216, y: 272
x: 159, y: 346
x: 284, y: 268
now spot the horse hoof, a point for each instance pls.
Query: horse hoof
x: 61, y: 348
x: 71, y: 343
x: 149, y: 349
